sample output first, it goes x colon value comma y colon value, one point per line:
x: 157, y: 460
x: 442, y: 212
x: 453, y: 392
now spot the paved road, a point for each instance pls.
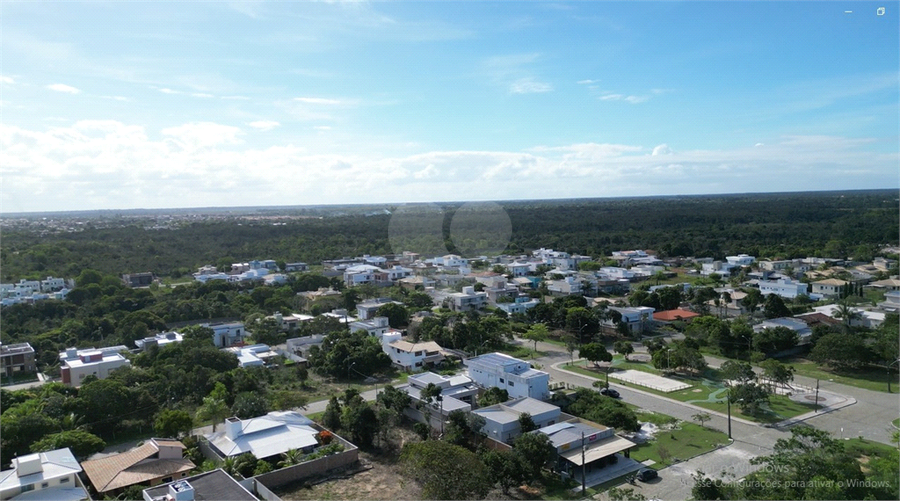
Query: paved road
x: 870, y: 417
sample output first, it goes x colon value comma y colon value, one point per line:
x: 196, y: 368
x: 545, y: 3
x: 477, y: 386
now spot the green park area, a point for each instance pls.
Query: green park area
x: 707, y: 391
x: 875, y: 379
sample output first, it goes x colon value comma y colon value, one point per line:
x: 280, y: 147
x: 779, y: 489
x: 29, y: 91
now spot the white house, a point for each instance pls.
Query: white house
x: 457, y: 393
x: 395, y: 273
x: 227, y: 333
x: 256, y: 355
x: 160, y: 339
x: 740, y: 260
x: 367, y: 309
x: 831, y: 287
x: 360, y: 274
x: 451, y: 261
x: 784, y: 287
x: 496, y: 370
x: 75, y: 365
x: 637, y: 318
x: 717, y: 267
x: 467, y: 300
x: 411, y: 357
x: 265, y: 436
x: 519, y: 269
x: 43, y: 475
x: 51, y: 284
x: 614, y: 273
x: 891, y: 303
x: 521, y: 305
x: 501, y: 421
x: 291, y: 321
x: 799, y: 326
x: 566, y: 287
x: 377, y: 326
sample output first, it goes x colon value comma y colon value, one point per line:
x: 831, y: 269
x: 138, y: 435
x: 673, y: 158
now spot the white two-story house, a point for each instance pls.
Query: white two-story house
x: 517, y: 377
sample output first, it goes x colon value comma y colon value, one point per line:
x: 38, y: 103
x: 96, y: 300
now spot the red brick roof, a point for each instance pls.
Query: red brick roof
x: 672, y: 315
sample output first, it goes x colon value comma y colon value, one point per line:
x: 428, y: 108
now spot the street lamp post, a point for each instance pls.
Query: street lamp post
x: 889, y: 373
x: 817, y: 396
x: 348, y: 374
x: 729, y: 412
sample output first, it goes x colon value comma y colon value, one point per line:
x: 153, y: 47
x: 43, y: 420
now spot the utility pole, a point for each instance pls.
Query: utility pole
x: 817, y: 396
x: 583, y: 449
x: 729, y: 416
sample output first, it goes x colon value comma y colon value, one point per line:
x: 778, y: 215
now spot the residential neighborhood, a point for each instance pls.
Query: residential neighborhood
x: 451, y: 335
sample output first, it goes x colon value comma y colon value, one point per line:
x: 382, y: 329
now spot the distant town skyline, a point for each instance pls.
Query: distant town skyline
x: 251, y: 103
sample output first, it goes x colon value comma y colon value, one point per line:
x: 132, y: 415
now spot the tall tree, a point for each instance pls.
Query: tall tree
x: 623, y: 348
x: 596, y: 353
x: 535, y: 333
x: 173, y: 423
x: 446, y: 471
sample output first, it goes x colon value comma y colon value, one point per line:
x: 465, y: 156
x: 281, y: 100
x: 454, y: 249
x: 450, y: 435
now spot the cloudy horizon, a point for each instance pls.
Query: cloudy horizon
x: 159, y: 105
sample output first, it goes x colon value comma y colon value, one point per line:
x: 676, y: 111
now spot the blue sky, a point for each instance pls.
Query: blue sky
x: 190, y: 104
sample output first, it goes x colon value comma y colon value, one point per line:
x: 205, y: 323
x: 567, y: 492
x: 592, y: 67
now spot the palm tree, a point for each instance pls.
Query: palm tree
x: 659, y: 276
x: 846, y: 313
x: 213, y: 409
x: 291, y: 457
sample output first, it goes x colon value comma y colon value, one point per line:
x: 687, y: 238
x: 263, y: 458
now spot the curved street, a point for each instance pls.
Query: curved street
x: 870, y: 417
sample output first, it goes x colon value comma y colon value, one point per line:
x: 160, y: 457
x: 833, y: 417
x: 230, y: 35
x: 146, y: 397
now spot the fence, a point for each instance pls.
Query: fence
x: 310, y: 468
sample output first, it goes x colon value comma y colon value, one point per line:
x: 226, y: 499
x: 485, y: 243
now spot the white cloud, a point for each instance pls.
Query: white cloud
x: 264, y: 125
x: 168, y: 91
x: 236, y: 98
x: 317, y: 100
x: 6, y: 80
x: 322, y: 127
x: 587, y: 82
x: 202, y: 94
x: 198, y: 135
x: 529, y: 86
x: 759, y: 145
x: 116, y: 98
x: 623, y: 97
x: 109, y: 164
x: 68, y: 89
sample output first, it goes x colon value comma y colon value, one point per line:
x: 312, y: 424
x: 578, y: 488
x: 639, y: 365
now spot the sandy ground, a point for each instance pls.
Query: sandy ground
x: 382, y: 482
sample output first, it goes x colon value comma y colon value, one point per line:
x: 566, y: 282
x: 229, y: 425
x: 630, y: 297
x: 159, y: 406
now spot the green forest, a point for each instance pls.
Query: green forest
x: 786, y: 225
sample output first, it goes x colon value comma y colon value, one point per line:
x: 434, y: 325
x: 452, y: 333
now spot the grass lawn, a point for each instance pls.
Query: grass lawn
x: 896, y: 423
x: 703, y: 392
x: 522, y: 352
x: 861, y: 447
x: 869, y: 379
x: 683, y: 443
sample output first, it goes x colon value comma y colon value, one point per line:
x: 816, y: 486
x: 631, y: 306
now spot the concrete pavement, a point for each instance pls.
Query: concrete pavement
x: 871, y: 419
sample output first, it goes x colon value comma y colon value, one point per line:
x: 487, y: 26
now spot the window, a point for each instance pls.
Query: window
x: 64, y: 480
x: 167, y: 480
x: 27, y: 487
x: 502, y: 381
x: 44, y: 485
x: 511, y: 383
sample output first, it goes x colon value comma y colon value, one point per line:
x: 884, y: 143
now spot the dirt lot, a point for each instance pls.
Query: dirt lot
x: 382, y: 482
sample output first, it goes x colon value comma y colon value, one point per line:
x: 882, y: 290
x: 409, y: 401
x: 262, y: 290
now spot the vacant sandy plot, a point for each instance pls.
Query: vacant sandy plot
x: 382, y: 482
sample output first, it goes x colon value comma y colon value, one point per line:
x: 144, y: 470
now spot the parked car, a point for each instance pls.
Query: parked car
x: 609, y: 392
x: 646, y: 474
